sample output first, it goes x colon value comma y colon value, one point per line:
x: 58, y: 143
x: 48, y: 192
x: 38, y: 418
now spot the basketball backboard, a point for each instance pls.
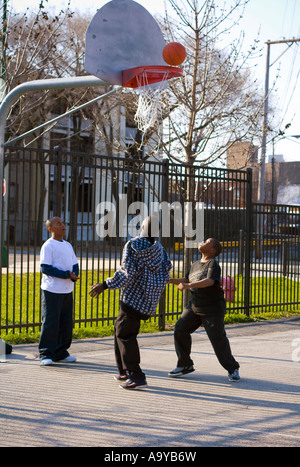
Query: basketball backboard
x: 122, y: 35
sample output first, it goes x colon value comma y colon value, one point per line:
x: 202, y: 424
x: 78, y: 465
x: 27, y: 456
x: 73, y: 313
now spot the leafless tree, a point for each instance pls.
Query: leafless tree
x: 217, y: 102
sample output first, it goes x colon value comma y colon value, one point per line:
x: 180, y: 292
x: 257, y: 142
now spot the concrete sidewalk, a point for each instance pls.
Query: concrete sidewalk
x: 81, y: 404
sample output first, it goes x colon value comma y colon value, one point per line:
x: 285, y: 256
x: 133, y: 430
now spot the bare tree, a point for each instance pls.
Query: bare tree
x: 214, y: 105
x: 217, y: 102
x: 30, y: 52
x: 46, y: 45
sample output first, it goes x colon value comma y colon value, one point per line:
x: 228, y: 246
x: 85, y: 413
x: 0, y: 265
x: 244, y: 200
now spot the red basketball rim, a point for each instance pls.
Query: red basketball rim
x: 145, y: 75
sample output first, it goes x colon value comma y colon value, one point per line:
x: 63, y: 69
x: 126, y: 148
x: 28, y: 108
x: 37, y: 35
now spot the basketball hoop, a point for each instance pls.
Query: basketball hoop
x: 150, y: 81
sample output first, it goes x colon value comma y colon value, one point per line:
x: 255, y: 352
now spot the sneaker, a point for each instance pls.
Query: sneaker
x: 120, y: 377
x: 68, y: 359
x: 234, y: 376
x: 181, y: 370
x: 46, y: 361
x: 129, y: 384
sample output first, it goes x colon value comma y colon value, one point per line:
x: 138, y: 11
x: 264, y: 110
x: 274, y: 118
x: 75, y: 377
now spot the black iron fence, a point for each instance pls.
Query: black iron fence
x: 103, y: 201
x: 275, y: 258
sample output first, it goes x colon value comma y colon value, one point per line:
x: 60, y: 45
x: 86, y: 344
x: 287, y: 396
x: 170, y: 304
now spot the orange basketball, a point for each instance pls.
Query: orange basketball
x: 174, y: 53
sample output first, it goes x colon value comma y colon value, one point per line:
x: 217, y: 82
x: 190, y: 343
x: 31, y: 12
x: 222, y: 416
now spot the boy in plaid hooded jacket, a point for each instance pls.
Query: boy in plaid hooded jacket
x: 142, y: 277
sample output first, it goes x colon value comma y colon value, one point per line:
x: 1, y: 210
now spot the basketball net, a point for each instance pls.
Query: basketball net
x: 150, y: 104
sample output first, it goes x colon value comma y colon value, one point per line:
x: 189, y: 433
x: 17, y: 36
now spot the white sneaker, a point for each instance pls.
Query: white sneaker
x: 68, y: 359
x: 46, y: 361
x: 180, y: 371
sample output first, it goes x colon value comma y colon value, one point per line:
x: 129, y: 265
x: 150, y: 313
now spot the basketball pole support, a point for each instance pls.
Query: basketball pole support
x: 40, y: 85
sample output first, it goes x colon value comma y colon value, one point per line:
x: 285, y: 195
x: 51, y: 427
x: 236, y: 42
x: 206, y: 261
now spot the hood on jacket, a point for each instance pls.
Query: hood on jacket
x: 150, y: 253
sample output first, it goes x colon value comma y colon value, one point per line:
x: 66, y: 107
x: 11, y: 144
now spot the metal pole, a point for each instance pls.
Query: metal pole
x: 248, y: 241
x: 163, y: 240
x: 264, y: 135
x: 265, y: 118
x: 66, y: 114
x: 42, y: 85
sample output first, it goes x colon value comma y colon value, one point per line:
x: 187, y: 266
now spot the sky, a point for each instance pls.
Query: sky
x: 273, y: 20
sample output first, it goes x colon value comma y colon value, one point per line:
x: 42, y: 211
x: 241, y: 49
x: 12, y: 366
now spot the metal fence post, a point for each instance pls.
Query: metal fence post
x: 241, y: 253
x: 284, y: 258
x: 248, y: 242
x: 164, y: 191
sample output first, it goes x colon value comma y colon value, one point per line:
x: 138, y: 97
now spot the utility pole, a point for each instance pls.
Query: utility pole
x: 3, y: 51
x: 261, y: 190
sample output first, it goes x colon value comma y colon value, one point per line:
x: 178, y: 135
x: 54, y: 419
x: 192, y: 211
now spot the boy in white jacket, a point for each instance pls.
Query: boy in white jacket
x: 60, y: 270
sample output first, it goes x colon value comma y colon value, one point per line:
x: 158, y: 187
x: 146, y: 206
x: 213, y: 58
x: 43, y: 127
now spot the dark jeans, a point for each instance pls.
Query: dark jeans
x: 127, y: 353
x: 214, y: 327
x: 57, y: 325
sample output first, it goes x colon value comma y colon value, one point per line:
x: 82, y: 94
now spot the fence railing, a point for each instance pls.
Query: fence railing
x: 103, y: 201
x: 275, y: 258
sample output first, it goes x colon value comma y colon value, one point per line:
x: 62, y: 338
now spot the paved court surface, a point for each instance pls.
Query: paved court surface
x: 80, y: 404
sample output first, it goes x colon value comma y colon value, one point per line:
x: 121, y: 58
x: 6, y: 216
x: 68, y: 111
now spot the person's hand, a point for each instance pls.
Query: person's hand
x: 73, y: 277
x: 96, y: 290
x: 182, y: 286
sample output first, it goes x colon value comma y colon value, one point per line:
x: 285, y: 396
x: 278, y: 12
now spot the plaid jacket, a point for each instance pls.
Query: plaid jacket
x: 142, y: 275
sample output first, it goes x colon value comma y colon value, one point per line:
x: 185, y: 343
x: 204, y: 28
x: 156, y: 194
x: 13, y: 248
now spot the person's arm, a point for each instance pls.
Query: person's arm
x: 97, y: 289
x: 60, y: 274
x: 180, y: 280
x: 76, y: 269
x: 55, y: 272
x: 74, y: 275
x: 124, y: 274
x: 196, y: 285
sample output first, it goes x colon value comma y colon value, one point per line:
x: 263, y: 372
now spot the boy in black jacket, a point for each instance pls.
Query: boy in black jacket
x: 207, y: 307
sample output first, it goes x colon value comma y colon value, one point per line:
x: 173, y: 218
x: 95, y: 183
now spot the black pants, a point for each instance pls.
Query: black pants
x: 127, y: 353
x: 57, y: 326
x: 214, y: 327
